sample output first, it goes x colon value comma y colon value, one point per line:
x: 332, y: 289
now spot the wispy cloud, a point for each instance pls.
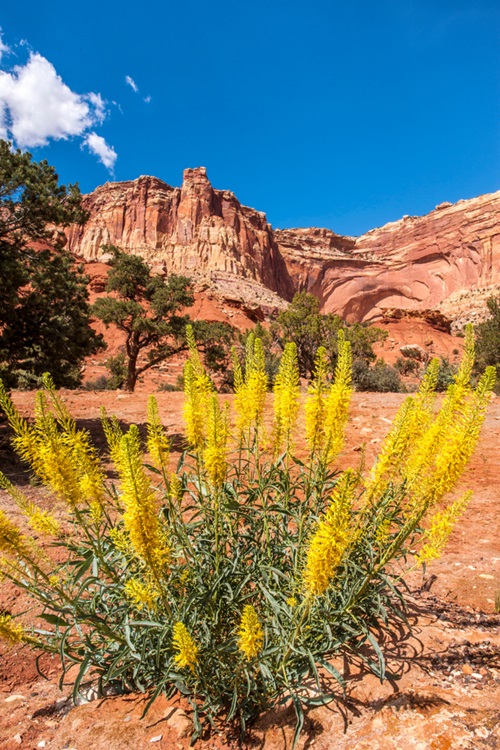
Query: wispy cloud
x: 130, y: 81
x: 4, y: 48
x: 36, y: 106
x: 104, y: 152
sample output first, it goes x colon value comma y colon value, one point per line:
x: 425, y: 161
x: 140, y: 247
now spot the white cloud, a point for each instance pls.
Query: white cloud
x: 104, y: 152
x: 40, y: 106
x: 36, y: 106
x: 147, y: 99
x: 130, y: 81
x: 4, y: 49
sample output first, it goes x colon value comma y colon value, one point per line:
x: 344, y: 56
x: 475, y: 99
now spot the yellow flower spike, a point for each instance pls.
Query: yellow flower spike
x: 331, y: 539
x: 185, y: 645
x: 140, y: 517
x: 12, y: 540
x: 286, y: 398
x: 141, y: 594
x: 441, y: 526
x: 250, y: 633
x: 315, y: 407
x: 176, y: 491
x: 121, y: 542
x: 158, y: 443
x: 113, y: 435
x: 198, y: 390
x: 214, y: 455
x: 437, y: 461
x: 250, y: 390
x: 337, y: 401
x: 11, y: 631
x: 39, y: 520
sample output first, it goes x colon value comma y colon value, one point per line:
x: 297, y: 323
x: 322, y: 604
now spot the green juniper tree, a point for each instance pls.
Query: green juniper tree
x: 44, y: 310
x: 147, y: 308
x: 303, y: 324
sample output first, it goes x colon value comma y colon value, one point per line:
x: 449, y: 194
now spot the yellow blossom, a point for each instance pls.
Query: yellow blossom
x: 286, y: 398
x: 315, y: 407
x: 291, y: 601
x: 441, y: 526
x: 140, y: 518
x: 250, y: 633
x: 157, y: 441
x: 39, y: 520
x: 176, y: 490
x: 214, y: 455
x: 141, y: 594
x: 184, y: 644
x: 11, y: 539
x: 11, y: 631
x: 337, y: 401
x: 250, y: 390
x: 331, y: 539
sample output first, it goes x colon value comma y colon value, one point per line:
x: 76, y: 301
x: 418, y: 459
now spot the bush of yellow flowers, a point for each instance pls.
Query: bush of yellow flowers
x: 236, y: 575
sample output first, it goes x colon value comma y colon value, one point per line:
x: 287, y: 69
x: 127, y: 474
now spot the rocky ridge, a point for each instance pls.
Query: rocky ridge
x: 447, y: 261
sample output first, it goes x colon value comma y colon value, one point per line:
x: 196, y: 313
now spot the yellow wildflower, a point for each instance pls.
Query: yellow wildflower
x: 157, y: 441
x: 198, y: 390
x: 176, y: 491
x: 331, y: 539
x: 286, y: 398
x: 250, y: 390
x: 11, y: 539
x: 141, y: 594
x: 184, y: 644
x: 121, y: 541
x: 140, y: 518
x: 292, y: 601
x: 39, y: 520
x: 315, y: 407
x: 214, y: 455
x: 250, y: 633
x: 441, y: 526
x: 11, y: 631
x: 337, y: 402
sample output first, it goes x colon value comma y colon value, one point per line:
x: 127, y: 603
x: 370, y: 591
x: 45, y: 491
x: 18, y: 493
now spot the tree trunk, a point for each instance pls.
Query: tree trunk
x: 131, y: 379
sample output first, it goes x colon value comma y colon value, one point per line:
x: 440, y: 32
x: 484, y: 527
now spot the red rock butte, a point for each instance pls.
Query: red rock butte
x: 447, y: 261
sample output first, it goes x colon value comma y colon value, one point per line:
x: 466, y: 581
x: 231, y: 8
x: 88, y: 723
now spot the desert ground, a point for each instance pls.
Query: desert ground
x: 448, y: 692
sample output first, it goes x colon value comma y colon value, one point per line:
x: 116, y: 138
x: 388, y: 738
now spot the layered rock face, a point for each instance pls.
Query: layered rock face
x: 194, y: 230
x: 413, y: 264
x: 417, y: 263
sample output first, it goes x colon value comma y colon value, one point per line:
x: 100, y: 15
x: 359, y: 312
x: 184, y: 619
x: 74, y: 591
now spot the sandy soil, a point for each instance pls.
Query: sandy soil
x: 448, y: 694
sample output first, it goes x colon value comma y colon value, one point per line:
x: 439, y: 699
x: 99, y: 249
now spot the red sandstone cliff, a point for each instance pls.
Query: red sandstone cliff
x: 194, y: 230
x: 447, y: 260
x: 414, y: 263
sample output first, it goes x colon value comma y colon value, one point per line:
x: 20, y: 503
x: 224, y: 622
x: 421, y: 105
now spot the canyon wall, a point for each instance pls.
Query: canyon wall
x: 416, y: 263
x: 194, y: 230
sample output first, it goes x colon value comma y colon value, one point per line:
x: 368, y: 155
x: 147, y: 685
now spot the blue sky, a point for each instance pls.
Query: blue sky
x: 337, y: 114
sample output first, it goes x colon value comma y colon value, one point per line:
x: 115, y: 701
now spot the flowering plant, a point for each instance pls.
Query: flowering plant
x: 238, y: 576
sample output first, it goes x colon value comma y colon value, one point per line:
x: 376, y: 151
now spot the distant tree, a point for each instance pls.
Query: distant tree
x: 44, y: 310
x: 488, y: 339
x: 147, y: 309
x: 303, y: 324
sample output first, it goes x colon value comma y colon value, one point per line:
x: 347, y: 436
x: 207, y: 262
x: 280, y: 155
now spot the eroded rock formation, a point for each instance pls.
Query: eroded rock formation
x: 417, y: 263
x: 194, y: 230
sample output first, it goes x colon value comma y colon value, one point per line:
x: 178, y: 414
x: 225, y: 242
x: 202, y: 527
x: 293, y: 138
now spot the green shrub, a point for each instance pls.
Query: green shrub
x: 407, y: 366
x: 237, y: 578
x: 379, y: 377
